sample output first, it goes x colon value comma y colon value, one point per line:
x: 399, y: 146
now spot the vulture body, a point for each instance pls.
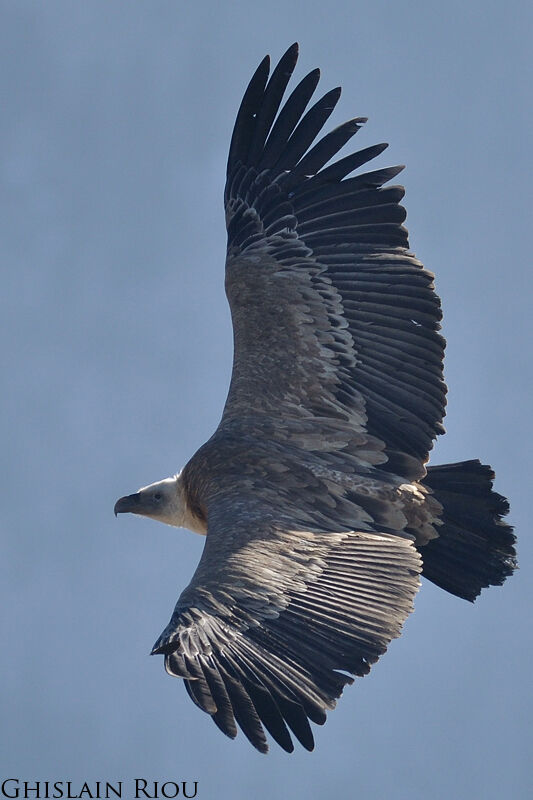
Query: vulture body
x: 319, y: 510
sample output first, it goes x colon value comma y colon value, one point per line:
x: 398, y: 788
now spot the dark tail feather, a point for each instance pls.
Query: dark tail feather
x: 475, y: 547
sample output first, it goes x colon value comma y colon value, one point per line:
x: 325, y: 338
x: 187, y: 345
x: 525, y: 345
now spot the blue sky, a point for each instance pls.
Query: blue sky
x: 115, y: 124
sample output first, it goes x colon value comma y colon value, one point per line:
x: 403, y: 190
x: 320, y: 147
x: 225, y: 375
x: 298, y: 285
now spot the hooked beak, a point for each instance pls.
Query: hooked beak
x: 128, y: 504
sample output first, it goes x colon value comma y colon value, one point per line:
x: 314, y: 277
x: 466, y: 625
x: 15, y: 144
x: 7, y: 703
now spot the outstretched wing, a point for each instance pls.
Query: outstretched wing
x: 278, y: 618
x: 333, y: 318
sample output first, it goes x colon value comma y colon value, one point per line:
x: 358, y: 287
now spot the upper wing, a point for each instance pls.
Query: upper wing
x: 333, y: 318
x: 276, y: 615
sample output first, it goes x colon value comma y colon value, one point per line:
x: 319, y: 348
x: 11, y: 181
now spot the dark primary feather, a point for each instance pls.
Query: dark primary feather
x: 246, y: 116
x: 287, y: 119
x: 270, y: 102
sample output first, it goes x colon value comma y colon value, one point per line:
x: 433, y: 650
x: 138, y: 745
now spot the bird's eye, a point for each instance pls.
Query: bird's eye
x: 158, y: 496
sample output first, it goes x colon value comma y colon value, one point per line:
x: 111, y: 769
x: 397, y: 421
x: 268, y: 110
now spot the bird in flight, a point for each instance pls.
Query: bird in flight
x: 319, y: 511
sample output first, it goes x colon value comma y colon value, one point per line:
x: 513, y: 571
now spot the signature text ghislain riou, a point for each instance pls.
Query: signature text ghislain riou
x: 15, y: 789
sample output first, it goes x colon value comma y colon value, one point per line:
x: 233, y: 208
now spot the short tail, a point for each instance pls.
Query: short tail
x: 475, y: 547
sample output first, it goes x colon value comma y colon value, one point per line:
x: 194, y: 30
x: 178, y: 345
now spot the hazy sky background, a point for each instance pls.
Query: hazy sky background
x: 116, y: 348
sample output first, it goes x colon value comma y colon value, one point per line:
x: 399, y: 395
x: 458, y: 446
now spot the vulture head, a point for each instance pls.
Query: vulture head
x: 163, y: 501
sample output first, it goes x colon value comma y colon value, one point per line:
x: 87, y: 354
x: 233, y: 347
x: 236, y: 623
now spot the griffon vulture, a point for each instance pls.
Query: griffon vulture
x: 319, y: 511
